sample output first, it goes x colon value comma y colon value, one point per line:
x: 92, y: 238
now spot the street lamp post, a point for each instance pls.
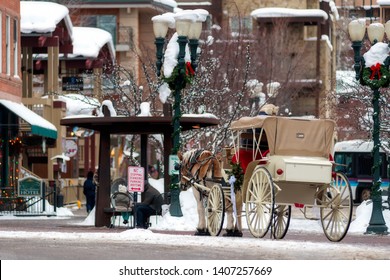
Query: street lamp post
x: 372, y: 70
x: 188, y: 25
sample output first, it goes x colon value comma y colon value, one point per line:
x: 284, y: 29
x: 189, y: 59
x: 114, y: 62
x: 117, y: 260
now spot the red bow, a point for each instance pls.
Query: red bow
x: 376, y: 69
x: 189, y: 69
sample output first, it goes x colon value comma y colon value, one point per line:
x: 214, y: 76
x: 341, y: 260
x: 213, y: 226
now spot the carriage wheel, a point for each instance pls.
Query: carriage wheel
x: 282, y: 216
x: 260, y: 202
x: 336, y: 208
x: 215, y: 210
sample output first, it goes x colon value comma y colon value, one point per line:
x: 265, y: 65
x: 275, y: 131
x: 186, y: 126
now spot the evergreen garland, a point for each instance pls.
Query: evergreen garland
x: 238, y: 173
x: 187, y: 78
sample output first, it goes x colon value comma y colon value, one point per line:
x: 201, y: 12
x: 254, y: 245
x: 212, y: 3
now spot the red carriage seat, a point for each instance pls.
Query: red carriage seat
x: 246, y: 156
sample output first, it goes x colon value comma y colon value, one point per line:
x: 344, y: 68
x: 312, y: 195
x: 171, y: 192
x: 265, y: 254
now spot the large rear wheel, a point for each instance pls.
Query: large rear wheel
x: 260, y: 202
x: 336, y: 208
x: 215, y: 210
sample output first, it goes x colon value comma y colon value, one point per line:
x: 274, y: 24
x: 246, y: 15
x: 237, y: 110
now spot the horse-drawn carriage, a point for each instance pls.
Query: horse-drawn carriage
x: 286, y: 162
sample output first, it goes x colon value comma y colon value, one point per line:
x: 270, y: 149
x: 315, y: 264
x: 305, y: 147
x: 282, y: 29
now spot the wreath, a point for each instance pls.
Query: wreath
x: 188, y: 77
x: 238, y: 173
x: 376, y: 76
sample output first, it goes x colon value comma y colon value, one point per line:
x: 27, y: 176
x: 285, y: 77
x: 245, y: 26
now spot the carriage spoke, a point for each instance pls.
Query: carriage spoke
x: 215, y: 210
x: 259, y: 204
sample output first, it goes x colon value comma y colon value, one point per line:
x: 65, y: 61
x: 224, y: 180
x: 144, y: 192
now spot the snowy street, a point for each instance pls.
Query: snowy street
x: 57, y: 238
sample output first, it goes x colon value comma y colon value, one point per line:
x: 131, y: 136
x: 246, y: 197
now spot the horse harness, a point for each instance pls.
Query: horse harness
x: 192, y: 162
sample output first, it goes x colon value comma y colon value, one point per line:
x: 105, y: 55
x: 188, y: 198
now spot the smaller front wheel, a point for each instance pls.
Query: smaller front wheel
x: 215, y: 210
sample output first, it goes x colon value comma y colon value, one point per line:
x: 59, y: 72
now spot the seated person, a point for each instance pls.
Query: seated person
x: 150, y: 205
x: 153, y: 172
x: 123, y: 202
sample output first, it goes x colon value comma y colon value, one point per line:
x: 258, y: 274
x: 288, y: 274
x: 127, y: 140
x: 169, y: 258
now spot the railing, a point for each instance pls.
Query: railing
x: 52, y: 197
x: 15, y: 205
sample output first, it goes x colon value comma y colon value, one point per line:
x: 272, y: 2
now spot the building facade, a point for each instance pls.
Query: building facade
x: 18, y: 123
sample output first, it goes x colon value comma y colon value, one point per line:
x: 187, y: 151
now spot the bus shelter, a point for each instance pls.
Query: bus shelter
x: 130, y: 125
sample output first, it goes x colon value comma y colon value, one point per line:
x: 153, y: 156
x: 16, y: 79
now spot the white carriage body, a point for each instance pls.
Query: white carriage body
x: 287, y: 161
x: 300, y: 147
x: 300, y: 169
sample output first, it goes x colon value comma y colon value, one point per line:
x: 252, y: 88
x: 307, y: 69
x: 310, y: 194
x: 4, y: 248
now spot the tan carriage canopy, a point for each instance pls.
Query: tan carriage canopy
x: 293, y: 136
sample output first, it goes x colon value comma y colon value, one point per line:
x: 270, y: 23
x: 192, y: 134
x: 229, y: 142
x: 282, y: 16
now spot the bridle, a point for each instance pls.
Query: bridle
x: 192, y: 162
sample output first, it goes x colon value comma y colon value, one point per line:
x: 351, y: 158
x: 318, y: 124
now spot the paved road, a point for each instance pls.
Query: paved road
x: 296, y: 245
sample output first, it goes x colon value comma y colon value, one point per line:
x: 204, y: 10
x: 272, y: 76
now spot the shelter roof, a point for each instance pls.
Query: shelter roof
x: 137, y: 125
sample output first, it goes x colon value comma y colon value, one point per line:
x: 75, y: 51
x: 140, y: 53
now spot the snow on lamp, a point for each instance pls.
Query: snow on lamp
x: 188, y: 24
x: 372, y: 70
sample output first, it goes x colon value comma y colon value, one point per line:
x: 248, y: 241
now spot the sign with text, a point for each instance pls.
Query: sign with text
x: 29, y: 186
x: 72, y: 83
x: 135, y: 179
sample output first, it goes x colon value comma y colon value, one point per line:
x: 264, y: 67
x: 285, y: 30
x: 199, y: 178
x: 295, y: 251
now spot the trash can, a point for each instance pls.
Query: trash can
x: 60, y: 200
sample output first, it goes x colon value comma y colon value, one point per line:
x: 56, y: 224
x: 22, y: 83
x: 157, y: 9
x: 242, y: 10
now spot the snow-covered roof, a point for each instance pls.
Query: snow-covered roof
x: 43, y: 17
x: 287, y: 12
x: 383, y: 2
x: 88, y: 41
x: 171, y: 3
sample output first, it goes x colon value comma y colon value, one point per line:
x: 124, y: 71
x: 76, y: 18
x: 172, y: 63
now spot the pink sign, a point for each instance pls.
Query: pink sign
x: 135, y: 178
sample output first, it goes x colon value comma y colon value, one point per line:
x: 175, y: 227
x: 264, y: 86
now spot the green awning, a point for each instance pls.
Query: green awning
x: 39, y: 126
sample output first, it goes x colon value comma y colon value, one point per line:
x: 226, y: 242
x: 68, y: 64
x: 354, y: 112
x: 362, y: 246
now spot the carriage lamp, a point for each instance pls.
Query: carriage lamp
x: 188, y: 24
x: 372, y: 70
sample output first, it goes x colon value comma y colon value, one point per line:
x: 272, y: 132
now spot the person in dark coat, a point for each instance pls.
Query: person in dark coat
x: 90, y: 191
x: 150, y: 205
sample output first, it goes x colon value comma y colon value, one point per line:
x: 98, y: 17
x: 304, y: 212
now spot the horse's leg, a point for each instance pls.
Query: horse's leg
x: 201, y: 229
x: 229, y: 215
x: 238, y: 227
x: 232, y: 229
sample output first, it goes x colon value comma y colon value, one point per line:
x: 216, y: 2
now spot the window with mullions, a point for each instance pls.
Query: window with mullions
x: 241, y: 24
x: 105, y: 22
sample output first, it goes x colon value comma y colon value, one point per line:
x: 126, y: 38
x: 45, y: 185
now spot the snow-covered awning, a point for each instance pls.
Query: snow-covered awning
x: 39, y: 126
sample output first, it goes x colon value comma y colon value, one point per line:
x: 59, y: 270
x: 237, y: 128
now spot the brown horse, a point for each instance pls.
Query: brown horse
x: 204, y: 168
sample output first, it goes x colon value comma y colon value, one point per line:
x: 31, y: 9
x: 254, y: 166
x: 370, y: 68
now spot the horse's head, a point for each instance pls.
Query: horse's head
x: 183, y: 168
x: 196, y: 165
